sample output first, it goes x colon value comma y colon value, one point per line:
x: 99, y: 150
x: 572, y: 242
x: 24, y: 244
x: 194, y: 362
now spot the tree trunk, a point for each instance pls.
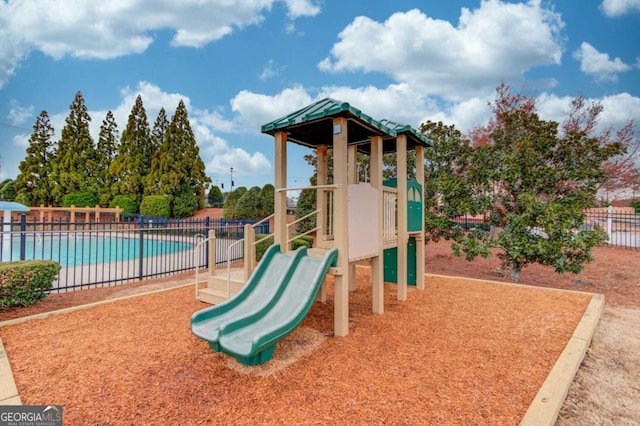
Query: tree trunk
x: 515, y: 273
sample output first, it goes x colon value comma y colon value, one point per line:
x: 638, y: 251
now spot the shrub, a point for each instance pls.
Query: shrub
x: 261, y: 247
x: 125, y: 203
x: 185, y: 204
x: 155, y: 205
x: 636, y: 205
x: 23, y: 283
x: 23, y: 198
x: 80, y: 199
x: 8, y: 191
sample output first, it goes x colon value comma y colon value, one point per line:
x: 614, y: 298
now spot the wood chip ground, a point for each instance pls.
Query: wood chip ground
x: 460, y: 352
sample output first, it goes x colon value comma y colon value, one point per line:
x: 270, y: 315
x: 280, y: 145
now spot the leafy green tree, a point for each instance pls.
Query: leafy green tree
x: 636, y: 205
x: 8, y: 192
x: 4, y: 182
x: 34, y: 179
x: 248, y: 206
x: 230, y: 202
x: 106, y: 152
x: 267, y: 195
x: 536, y: 182
x: 155, y: 205
x: 306, y: 204
x: 80, y: 199
x: 215, y: 198
x: 74, y: 166
x: 160, y: 127
x: 179, y: 160
x: 185, y: 203
x: 131, y: 166
x: 125, y: 203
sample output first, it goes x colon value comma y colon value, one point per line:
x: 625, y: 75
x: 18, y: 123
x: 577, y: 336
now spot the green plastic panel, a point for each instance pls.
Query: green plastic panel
x: 390, y: 261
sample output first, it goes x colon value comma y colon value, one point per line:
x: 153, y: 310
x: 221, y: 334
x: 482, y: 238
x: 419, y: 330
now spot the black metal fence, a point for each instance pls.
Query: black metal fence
x: 94, y: 254
x: 622, y: 227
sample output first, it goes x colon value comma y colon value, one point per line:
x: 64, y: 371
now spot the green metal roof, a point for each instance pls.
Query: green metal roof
x: 312, y: 126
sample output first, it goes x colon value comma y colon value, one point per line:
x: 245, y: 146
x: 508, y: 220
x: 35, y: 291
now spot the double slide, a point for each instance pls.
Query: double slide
x: 272, y: 303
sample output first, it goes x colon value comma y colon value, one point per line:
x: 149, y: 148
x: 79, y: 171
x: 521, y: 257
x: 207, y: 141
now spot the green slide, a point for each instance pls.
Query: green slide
x: 251, y: 338
x: 267, y: 278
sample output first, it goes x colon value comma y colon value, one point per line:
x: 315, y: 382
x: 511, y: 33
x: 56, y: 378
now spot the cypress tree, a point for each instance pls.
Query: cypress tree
x: 179, y: 162
x: 34, y: 180
x: 74, y: 165
x: 160, y: 127
x: 132, y: 164
x: 106, y: 152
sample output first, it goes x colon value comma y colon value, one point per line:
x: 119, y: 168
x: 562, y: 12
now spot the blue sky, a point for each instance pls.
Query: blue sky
x: 240, y: 64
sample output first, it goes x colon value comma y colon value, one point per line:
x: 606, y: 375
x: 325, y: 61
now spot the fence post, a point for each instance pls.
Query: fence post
x: 141, y: 254
x: 207, y: 228
x: 23, y: 236
x: 211, y: 252
x: 609, y: 222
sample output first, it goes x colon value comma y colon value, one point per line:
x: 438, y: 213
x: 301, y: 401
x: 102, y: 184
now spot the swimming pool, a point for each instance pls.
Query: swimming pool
x: 85, y: 249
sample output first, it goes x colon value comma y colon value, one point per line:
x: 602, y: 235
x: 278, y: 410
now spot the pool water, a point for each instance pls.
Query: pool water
x: 84, y: 250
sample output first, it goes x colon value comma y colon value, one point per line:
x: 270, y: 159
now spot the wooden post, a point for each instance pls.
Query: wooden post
x: 321, y: 203
x: 403, y: 236
x: 420, y: 238
x: 280, y: 202
x: 249, y: 238
x: 377, y: 265
x: 341, y: 291
x: 212, y: 252
x: 352, y: 179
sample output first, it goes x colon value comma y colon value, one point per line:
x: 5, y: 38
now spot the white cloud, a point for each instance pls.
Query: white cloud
x: 613, y: 8
x: 253, y: 109
x: 497, y: 41
x: 298, y: 8
x: 105, y: 30
x: 598, y: 64
x: 19, y: 114
x: 270, y: 70
x: 617, y: 110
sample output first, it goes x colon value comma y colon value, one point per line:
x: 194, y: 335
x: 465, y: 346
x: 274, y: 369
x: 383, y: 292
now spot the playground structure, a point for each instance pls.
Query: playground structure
x: 377, y: 221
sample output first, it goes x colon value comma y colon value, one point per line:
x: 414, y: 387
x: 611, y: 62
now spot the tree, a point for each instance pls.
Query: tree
x: 621, y: 168
x: 34, y: 179
x: 535, y: 181
x: 230, y: 202
x: 248, y: 205
x: 8, y: 191
x: 160, y: 127
x: 179, y: 160
x: 448, y: 189
x: 74, y: 165
x: 215, y: 198
x: 185, y: 203
x: 131, y: 166
x: 267, y: 196
x: 106, y: 152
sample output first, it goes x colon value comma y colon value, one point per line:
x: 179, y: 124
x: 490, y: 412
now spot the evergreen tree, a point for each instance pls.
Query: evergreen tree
x: 130, y: 167
x: 216, y: 199
x: 267, y: 195
x: 34, y: 180
x: 106, y: 152
x: 179, y: 160
x: 160, y: 127
x: 75, y: 160
x: 230, y: 202
x: 248, y: 206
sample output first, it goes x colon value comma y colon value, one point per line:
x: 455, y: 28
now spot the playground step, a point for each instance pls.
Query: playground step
x: 213, y: 296
x: 219, y: 282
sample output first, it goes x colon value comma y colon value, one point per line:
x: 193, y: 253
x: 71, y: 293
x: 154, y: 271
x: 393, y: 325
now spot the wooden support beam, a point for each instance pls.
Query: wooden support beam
x: 377, y: 263
x: 321, y: 203
x: 280, y: 201
x: 341, y: 291
x: 420, y: 241
x: 403, y: 236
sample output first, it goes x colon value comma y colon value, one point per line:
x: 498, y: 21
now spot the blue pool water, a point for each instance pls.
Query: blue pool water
x: 84, y: 250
